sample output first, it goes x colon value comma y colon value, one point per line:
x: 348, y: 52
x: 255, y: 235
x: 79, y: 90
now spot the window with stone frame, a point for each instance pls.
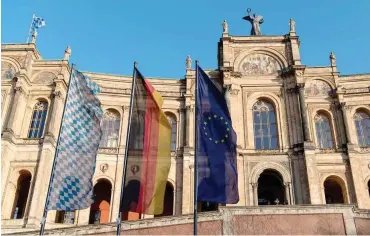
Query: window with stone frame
x: 172, y: 119
x: 265, y: 126
x: 110, y: 128
x: 323, y: 131
x: 362, y: 122
x: 38, y: 120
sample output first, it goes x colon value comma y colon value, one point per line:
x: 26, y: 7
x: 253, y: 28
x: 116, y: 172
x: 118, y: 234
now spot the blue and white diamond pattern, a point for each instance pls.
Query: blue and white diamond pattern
x: 71, y: 183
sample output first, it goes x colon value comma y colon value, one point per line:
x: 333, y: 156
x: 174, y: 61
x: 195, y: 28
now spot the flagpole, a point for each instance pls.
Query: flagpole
x: 196, y: 154
x: 29, y: 32
x: 43, y: 220
x: 133, y: 85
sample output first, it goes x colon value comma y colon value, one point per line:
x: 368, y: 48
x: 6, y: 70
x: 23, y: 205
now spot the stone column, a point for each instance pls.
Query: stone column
x: 288, y: 115
x: 297, y: 179
x: 255, y: 193
x: 179, y: 185
x: 293, y: 116
x: 298, y: 119
x: 287, y: 193
x: 337, y: 124
x: 55, y: 114
x: 16, y: 108
x: 344, y: 108
x: 313, y: 176
x: 302, y: 104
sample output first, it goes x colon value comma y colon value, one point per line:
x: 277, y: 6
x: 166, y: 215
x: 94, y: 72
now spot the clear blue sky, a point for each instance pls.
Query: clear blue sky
x: 107, y: 36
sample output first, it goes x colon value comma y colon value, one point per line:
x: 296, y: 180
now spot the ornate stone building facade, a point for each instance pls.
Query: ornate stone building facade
x: 303, y: 132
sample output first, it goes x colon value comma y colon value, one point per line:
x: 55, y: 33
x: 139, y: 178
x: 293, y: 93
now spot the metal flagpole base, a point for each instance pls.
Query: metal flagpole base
x: 43, y: 222
x: 119, y: 225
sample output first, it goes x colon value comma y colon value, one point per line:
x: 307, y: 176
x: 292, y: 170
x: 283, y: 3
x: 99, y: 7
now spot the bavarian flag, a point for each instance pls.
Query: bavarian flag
x: 149, y: 148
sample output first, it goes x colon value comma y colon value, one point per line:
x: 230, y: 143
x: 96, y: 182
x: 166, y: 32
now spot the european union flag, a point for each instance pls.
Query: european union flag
x: 216, y: 145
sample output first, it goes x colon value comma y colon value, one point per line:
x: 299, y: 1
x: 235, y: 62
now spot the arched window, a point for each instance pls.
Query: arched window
x: 38, y: 120
x: 362, y: 121
x: 323, y: 131
x: 172, y: 119
x: 110, y: 127
x: 20, y: 201
x: 265, y: 129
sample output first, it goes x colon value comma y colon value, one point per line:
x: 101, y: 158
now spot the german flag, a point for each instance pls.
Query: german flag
x: 149, y: 149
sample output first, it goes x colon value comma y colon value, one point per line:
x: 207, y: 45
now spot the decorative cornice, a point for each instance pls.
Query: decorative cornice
x: 357, y: 90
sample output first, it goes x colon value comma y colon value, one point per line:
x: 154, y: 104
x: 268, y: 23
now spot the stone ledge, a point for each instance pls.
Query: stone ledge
x: 224, y: 214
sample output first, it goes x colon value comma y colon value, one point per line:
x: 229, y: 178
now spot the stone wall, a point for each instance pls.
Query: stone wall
x: 304, y: 219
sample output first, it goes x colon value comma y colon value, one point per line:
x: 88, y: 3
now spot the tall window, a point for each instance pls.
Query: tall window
x: 110, y: 127
x: 172, y: 120
x: 362, y: 121
x: 323, y: 131
x: 38, y: 120
x: 265, y: 129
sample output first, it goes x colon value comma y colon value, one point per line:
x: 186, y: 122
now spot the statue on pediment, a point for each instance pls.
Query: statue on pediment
x: 255, y: 20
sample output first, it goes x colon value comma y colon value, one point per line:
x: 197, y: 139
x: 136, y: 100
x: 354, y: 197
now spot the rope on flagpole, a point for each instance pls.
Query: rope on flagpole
x: 196, y: 153
x: 133, y: 85
x: 44, y: 215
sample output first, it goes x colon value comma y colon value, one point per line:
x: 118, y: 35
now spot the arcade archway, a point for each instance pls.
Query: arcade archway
x: 271, y: 189
x: 335, y: 190
x: 21, y: 195
x: 130, y: 201
x: 100, y: 209
x: 168, y: 201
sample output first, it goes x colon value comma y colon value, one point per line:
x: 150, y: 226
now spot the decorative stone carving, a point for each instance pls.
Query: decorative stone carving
x: 358, y: 90
x: 7, y: 71
x: 57, y: 94
x: 188, y: 63
x: 326, y: 150
x: 31, y: 141
x: 268, y: 151
x: 134, y: 169
x: 234, y: 92
x: 44, y: 78
x: 298, y: 73
x: 259, y: 64
x: 104, y: 167
x: 225, y: 27
x: 3, y: 96
x: 292, y: 25
x: 236, y: 74
x: 27, y: 60
x: 237, y: 52
x: 333, y: 59
x: 108, y: 150
x: 111, y: 115
x: 317, y: 88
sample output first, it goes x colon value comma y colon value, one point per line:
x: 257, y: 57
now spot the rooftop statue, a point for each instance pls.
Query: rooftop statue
x: 255, y: 20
